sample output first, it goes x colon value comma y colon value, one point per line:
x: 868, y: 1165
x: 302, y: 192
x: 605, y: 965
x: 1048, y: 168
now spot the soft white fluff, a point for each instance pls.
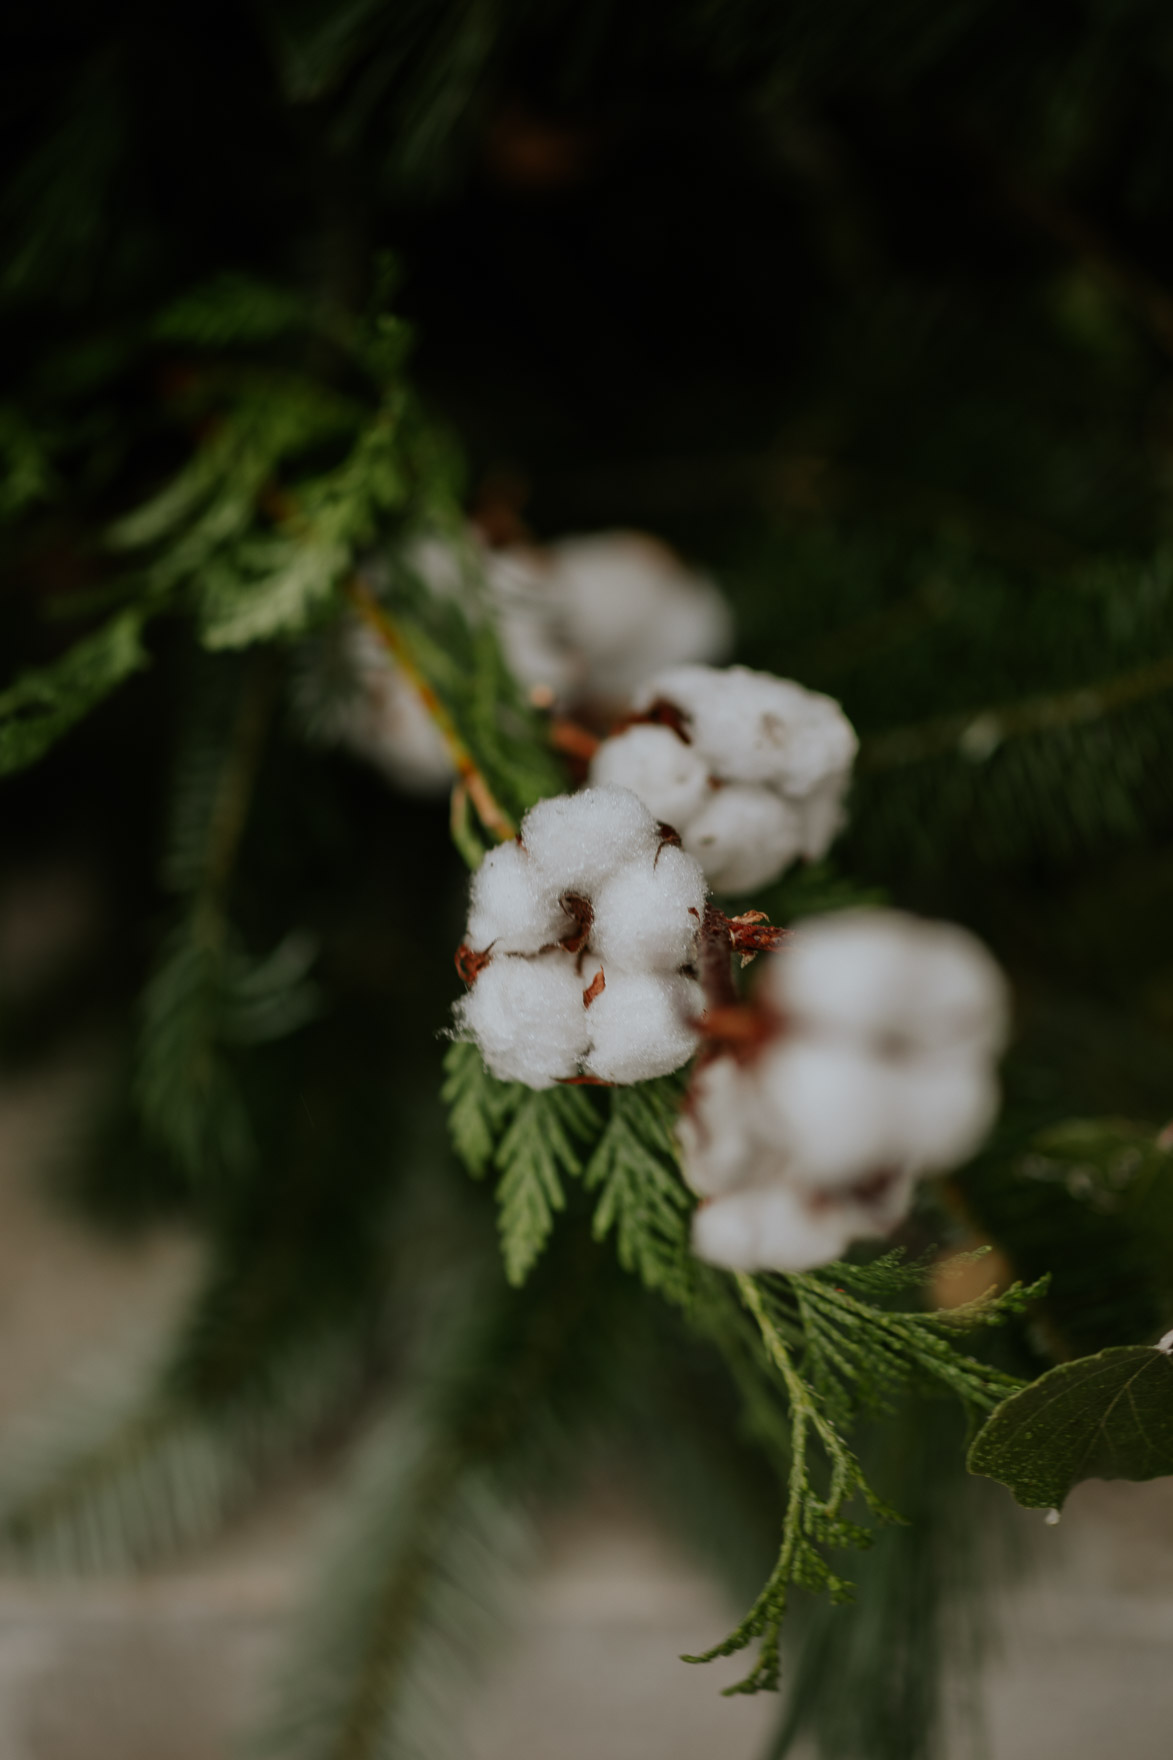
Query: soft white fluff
x: 527, y: 1018
x: 628, y: 606
x: 642, y: 1025
x: 771, y: 1227
x: 744, y: 837
x: 648, y: 912
x: 619, y: 1006
x: 777, y: 761
x: 880, y: 1071
x: 381, y: 718
x: 577, y: 840
x: 514, y: 907
x: 586, y: 618
x: 671, y: 778
x: 720, y: 1150
x: 892, y: 979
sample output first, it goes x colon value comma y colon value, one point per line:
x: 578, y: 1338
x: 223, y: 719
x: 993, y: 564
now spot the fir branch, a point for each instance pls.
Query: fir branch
x: 810, y: 1521
x: 411, y: 1585
x: 377, y: 618
x: 634, y: 1169
x: 833, y: 1353
x: 207, y: 994
x: 479, y: 1107
x: 42, y: 705
x: 977, y: 734
x: 544, y: 1140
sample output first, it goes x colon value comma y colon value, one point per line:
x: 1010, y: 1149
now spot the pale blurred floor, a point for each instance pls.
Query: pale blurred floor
x: 170, y: 1666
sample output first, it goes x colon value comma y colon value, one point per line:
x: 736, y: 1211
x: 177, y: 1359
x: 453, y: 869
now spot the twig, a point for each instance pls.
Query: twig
x: 977, y: 735
x: 491, y: 815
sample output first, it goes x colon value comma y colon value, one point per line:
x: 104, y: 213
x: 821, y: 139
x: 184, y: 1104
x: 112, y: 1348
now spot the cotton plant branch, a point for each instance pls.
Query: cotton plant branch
x: 977, y: 734
x: 492, y: 816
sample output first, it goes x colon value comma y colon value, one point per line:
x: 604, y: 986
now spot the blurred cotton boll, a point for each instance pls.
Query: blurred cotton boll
x: 348, y: 692
x: 776, y: 762
x: 872, y: 1067
x: 628, y: 605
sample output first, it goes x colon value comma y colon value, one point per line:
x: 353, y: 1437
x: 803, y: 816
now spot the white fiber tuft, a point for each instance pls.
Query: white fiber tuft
x: 641, y: 1026
x: 671, y: 778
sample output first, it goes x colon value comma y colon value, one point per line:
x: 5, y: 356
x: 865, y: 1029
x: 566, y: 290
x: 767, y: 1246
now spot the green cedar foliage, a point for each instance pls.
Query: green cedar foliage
x: 906, y: 397
x: 821, y: 1346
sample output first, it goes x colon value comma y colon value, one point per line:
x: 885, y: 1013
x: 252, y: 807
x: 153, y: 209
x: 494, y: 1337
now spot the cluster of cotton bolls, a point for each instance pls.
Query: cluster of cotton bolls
x: 870, y: 1064
x: 580, y: 942
x: 751, y: 769
x: 580, y: 621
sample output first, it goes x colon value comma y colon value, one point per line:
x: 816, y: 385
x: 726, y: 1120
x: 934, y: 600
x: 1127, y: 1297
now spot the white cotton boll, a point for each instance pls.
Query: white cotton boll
x: 752, y: 727
x: 536, y: 659
x: 744, y: 837
x: 750, y: 732
x: 959, y: 993
x: 773, y: 1228
x: 442, y: 562
x: 849, y: 973
x: 945, y: 1104
x: 703, y: 694
x: 889, y: 977
x: 629, y: 605
x: 823, y: 815
x: 640, y: 1026
x: 532, y: 638
x: 833, y: 1107
x: 527, y: 1018
x: 513, y: 909
x: 385, y: 723
x: 812, y: 736
x: 578, y: 839
x: 671, y: 778
x: 719, y: 1152
x: 648, y: 913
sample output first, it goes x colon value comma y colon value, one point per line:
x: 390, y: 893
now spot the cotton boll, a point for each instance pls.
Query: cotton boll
x: 532, y: 638
x: 385, y: 723
x: 945, y: 1103
x: 671, y: 778
x: 892, y: 978
x: 823, y: 815
x: 703, y: 694
x: 832, y: 1106
x: 756, y: 730
x: 772, y: 1228
x: 752, y: 727
x: 514, y: 909
x: 849, y: 973
x: 629, y: 605
x: 959, y: 993
x: 744, y: 836
x: 640, y: 1026
x: 719, y: 1152
x: 648, y: 913
x: 576, y: 840
x: 527, y: 1018
x: 812, y: 736
x: 536, y: 659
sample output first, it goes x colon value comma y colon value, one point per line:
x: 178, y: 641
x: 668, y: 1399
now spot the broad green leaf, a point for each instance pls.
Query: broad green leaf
x: 1103, y: 1417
